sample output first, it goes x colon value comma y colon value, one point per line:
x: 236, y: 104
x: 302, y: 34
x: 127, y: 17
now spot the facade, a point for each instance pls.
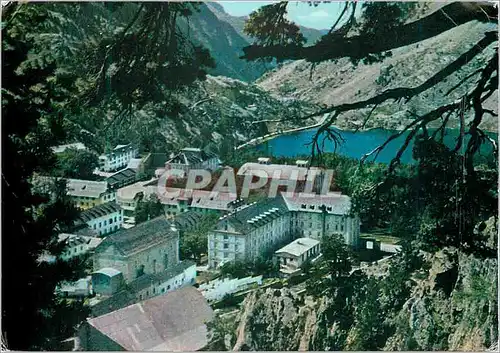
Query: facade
x: 129, y: 196
x: 77, y: 245
x: 118, y: 158
x: 292, y: 256
x: 248, y: 232
x: 87, y: 194
x: 148, y: 248
x: 201, y: 201
x: 175, y: 321
x: 191, y: 158
x: 312, y: 215
x: 103, y: 219
x: 178, y: 276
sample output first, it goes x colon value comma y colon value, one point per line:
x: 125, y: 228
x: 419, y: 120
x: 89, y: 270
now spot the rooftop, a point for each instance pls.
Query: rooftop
x: 281, y: 171
x: 333, y: 203
x: 75, y: 240
x: 298, y: 246
x: 108, y: 271
x: 120, y: 177
x: 174, y: 321
x: 190, y: 156
x: 140, y: 237
x: 86, y: 188
x: 187, y: 220
x: 145, y: 280
x: 130, y: 192
x: 99, y: 211
x: 248, y: 217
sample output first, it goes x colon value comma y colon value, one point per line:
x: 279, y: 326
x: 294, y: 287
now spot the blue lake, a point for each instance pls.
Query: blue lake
x: 356, y: 144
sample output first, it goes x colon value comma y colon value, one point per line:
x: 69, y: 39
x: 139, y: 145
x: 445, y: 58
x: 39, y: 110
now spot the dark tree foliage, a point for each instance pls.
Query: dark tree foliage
x: 77, y: 164
x: 64, y: 65
x: 148, y: 209
x: 382, y: 29
x: 32, y: 316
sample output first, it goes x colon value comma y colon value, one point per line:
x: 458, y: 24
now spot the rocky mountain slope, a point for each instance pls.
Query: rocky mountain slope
x: 452, y: 306
x: 223, y: 35
x: 338, y: 82
x: 238, y: 23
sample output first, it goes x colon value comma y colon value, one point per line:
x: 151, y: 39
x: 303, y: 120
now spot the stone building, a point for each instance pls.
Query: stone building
x: 148, y: 248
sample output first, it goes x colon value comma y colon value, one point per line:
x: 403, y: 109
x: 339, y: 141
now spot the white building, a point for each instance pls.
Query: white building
x: 62, y: 148
x: 77, y: 245
x: 312, y: 215
x: 191, y: 158
x: 248, y: 232
x: 103, y: 219
x: 292, y: 256
x: 118, y: 158
x: 128, y: 197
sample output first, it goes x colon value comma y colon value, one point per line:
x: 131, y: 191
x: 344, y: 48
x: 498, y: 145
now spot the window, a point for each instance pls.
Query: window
x: 111, y: 221
x: 225, y: 236
x: 100, y: 225
x: 226, y: 246
x: 168, y: 287
x: 154, y: 290
x: 105, y: 223
x: 94, y: 226
x: 163, y: 290
x: 115, y: 218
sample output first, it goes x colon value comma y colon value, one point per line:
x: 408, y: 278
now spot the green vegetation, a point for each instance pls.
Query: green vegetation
x: 193, y: 243
x: 148, y: 209
x: 240, y: 269
x: 77, y: 164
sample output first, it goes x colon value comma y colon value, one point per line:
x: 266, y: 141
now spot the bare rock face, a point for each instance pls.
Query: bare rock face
x: 274, y: 319
x: 338, y: 82
x: 453, y: 306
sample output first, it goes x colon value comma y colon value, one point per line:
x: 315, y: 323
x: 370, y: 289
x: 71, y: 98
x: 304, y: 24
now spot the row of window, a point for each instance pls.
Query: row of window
x: 110, y: 222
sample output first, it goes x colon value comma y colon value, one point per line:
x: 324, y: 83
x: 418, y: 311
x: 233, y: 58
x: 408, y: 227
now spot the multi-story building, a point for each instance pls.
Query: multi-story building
x: 251, y: 230
x: 313, y: 216
x: 87, y: 194
x: 77, y: 245
x: 292, y: 256
x: 191, y: 158
x: 128, y: 197
x: 148, y: 248
x: 118, y: 158
x: 248, y: 232
x: 103, y: 219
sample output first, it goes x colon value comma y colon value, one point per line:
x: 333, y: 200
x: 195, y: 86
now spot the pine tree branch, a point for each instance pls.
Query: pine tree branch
x: 360, y: 46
